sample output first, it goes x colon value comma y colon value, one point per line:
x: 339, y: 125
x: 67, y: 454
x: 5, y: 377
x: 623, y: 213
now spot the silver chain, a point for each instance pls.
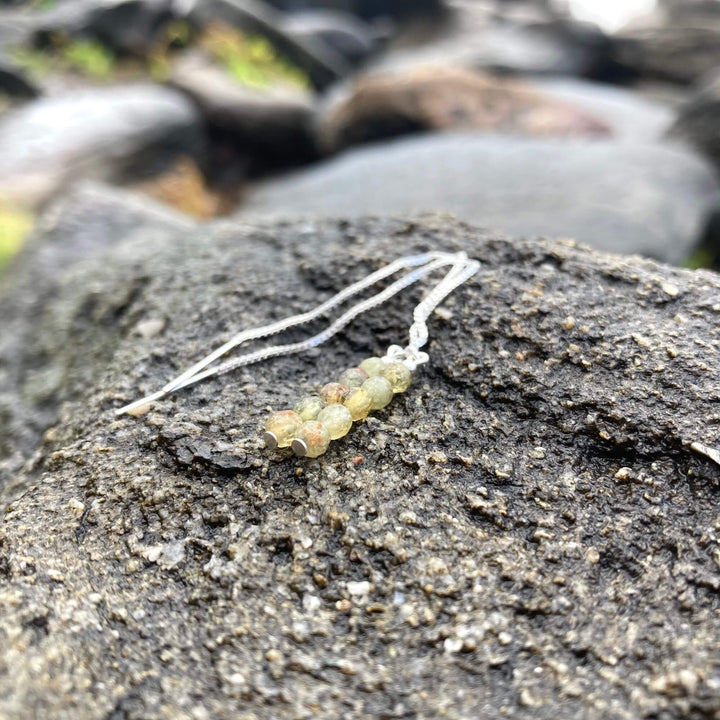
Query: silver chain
x: 462, y: 268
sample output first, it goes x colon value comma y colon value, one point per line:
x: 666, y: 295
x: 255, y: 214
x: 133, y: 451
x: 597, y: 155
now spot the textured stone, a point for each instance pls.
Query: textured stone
x: 526, y: 530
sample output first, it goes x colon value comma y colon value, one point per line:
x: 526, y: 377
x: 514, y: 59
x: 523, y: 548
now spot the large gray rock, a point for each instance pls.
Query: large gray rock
x: 526, y: 529
x: 102, y: 132
x: 698, y: 121
x: 649, y: 199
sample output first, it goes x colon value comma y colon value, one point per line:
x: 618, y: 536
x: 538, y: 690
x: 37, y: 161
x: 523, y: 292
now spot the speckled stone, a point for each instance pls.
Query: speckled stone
x: 526, y: 532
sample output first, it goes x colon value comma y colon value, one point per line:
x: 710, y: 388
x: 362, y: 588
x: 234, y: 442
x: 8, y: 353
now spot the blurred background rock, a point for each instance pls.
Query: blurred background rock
x: 587, y: 119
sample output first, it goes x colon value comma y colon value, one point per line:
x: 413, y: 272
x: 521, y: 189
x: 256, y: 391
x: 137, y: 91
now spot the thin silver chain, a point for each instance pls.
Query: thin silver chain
x: 462, y: 268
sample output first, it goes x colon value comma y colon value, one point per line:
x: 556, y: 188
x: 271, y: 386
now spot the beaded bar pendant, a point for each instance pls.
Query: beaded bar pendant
x: 315, y: 420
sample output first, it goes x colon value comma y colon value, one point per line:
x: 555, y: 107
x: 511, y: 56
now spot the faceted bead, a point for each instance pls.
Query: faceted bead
x: 333, y: 393
x: 309, y: 407
x: 373, y: 366
x: 358, y: 402
x: 337, y: 419
x: 398, y: 375
x: 379, y: 389
x: 281, y: 427
x: 354, y: 377
x: 312, y: 439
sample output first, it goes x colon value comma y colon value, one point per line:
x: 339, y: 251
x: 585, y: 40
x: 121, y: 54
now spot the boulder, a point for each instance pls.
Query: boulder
x: 382, y: 105
x: 680, y: 44
x: 320, y: 61
x: 352, y: 38
x: 530, y: 527
x: 268, y: 127
x: 519, y: 43
x: 650, y: 199
x: 698, y: 121
x: 102, y: 132
x: 15, y: 83
x: 127, y: 26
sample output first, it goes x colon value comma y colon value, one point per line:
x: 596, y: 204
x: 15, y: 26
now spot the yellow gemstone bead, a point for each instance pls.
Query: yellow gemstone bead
x: 312, y: 439
x: 398, y: 375
x: 309, y: 407
x: 379, y: 389
x: 281, y: 427
x: 354, y: 377
x: 358, y: 402
x: 333, y: 393
x: 337, y: 419
x: 373, y: 366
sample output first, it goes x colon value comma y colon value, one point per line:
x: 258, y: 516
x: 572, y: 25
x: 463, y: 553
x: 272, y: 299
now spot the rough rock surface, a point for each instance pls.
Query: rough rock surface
x: 651, y: 199
x: 525, y: 532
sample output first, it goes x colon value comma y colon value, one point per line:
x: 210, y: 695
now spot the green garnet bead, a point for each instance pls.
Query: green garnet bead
x: 398, y: 375
x: 379, y: 389
x: 358, y: 402
x: 333, y: 393
x: 354, y: 377
x: 312, y: 439
x: 309, y: 407
x: 373, y: 366
x: 280, y: 429
x: 337, y: 419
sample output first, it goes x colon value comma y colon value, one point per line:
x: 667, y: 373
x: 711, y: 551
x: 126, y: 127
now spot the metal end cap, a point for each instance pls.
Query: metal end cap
x: 299, y: 447
x: 271, y: 441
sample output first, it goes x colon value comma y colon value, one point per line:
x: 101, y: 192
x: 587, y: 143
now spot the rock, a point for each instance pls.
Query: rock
x: 383, y: 105
x: 270, y: 127
x: 15, y: 83
x: 108, y: 132
x: 680, y: 46
x: 532, y: 502
x: 698, y: 121
x: 367, y: 9
x: 127, y: 26
x: 92, y: 219
x: 616, y: 196
x: 538, y: 44
x: 350, y: 37
x: 630, y: 116
x: 323, y: 65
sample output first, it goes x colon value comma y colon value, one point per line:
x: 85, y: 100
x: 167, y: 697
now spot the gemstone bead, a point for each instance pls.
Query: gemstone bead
x: 337, y: 419
x: 333, y: 393
x: 280, y: 428
x: 398, y: 375
x: 379, y: 389
x: 358, y: 402
x: 354, y: 377
x: 312, y: 439
x: 373, y: 366
x: 309, y: 407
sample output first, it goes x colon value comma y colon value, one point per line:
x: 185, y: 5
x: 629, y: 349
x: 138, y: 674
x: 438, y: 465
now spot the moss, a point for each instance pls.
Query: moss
x: 89, y: 58
x: 14, y: 227
x: 252, y: 61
